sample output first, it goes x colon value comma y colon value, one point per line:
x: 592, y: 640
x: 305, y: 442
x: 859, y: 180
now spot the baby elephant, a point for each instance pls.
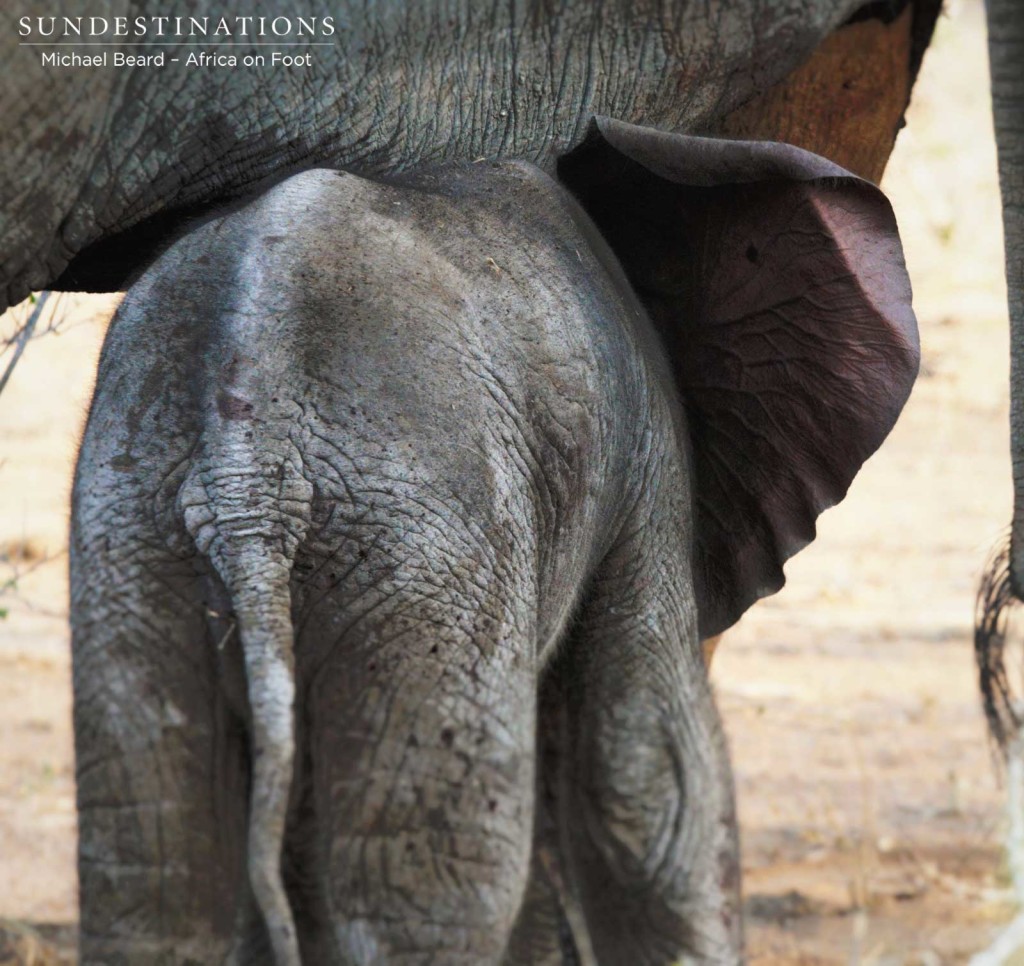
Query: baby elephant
x: 400, y: 515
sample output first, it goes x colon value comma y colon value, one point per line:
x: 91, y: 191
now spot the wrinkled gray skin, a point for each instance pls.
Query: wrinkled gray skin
x: 99, y: 167
x: 399, y: 514
x: 430, y: 427
x: 350, y: 527
x: 1003, y: 583
x: 90, y: 154
x: 1006, y: 52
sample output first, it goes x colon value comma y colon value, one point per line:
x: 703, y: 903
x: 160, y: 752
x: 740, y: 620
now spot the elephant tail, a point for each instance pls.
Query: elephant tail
x: 249, y: 519
x: 994, y: 606
x: 262, y: 604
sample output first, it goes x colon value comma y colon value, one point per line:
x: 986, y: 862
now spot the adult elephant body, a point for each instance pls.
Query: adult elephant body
x: 363, y: 455
x: 101, y: 164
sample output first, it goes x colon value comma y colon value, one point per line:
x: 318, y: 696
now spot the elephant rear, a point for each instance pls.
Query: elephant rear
x: 325, y: 531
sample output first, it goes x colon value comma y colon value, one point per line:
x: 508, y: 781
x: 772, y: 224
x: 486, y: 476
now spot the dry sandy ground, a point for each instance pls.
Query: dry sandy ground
x: 872, y: 819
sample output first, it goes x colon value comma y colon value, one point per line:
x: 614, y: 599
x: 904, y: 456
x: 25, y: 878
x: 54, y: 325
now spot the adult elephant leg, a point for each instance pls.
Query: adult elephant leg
x: 160, y: 759
x: 1006, y: 50
x: 421, y: 732
x: 1005, y: 582
x: 647, y: 808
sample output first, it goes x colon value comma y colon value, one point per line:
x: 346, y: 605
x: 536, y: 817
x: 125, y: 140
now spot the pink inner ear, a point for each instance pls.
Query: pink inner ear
x: 795, y: 360
x: 784, y: 306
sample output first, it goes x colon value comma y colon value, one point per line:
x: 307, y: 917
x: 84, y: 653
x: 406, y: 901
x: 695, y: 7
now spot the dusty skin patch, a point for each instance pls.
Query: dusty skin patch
x: 871, y: 816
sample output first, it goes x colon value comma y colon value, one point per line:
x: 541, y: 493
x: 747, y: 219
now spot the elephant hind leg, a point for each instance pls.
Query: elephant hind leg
x: 421, y: 730
x: 161, y: 759
x: 646, y: 805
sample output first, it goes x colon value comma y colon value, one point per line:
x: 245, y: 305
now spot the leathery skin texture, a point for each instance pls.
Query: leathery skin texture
x: 96, y: 153
x: 384, y: 616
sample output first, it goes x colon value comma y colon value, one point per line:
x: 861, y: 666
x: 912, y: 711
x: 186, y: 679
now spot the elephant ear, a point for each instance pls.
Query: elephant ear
x: 777, y: 284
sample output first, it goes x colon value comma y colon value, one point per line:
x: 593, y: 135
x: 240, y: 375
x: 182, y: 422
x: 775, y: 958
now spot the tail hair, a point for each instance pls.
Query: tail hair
x: 993, y: 609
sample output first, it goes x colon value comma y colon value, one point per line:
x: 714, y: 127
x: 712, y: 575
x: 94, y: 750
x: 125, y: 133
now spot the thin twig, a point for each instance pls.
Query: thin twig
x: 9, y: 587
x: 20, y: 572
x: 22, y: 338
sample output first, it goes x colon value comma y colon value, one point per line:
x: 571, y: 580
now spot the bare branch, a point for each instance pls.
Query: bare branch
x: 21, y: 338
x: 9, y: 587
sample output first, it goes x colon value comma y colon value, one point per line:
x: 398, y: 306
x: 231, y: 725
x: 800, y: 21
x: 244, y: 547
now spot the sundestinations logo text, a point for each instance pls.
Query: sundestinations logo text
x: 54, y: 33
x: 52, y: 29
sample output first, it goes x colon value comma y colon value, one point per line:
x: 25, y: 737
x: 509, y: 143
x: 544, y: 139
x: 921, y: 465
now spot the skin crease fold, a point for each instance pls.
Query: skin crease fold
x: 433, y: 459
